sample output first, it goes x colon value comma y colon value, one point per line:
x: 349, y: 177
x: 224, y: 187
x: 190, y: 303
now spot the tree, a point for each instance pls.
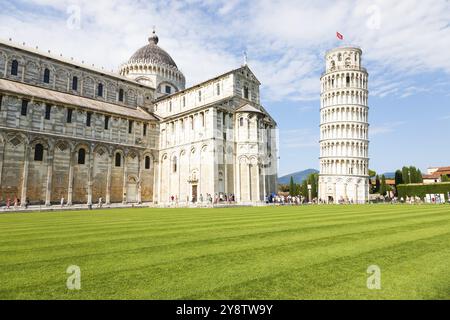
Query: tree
x: 398, y: 177
x: 405, y: 175
x: 419, y: 176
x: 445, y: 178
x: 292, y: 186
x: 313, y: 180
x: 304, y: 189
x: 413, y: 174
x: 377, y: 184
x: 372, y: 173
x: 383, y: 189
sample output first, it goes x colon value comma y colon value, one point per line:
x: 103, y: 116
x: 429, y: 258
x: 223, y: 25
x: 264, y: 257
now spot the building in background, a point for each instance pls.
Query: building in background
x: 72, y: 131
x: 434, y: 174
x: 344, y: 128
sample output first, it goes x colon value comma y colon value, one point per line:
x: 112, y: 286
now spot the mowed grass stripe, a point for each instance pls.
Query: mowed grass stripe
x: 236, y: 268
x: 132, y: 244
x: 189, y: 251
x: 243, y: 256
x: 97, y: 232
x: 246, y: 233
x: 276, y: 249
x: 249, y: 238
x: 166, y: 217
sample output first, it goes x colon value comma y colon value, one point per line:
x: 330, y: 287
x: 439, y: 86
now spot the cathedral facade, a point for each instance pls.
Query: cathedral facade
x: 73, y: 132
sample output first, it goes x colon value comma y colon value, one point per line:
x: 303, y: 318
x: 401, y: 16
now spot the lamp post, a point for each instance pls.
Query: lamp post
x: 309, y: 192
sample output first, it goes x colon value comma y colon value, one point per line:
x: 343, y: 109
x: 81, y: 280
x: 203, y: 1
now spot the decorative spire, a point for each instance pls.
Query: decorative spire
x: 153, y: 38
x: 245, y: 58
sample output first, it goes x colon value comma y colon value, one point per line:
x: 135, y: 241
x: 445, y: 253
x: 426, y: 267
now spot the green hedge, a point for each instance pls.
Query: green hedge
x: 421, y: 190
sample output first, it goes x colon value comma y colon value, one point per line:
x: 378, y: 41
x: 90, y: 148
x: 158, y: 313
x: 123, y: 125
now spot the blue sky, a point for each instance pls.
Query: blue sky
x: 406, y: 47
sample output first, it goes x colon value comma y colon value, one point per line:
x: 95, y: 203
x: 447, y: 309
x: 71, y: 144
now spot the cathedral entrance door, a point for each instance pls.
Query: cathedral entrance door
x: 132, y: 190
x: 194, y: 193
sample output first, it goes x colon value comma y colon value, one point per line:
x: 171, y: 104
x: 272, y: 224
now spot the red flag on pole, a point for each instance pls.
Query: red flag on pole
x: 339, y: 36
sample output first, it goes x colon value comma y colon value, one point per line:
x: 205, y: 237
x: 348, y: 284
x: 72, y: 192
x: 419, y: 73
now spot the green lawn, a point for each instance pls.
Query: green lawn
x: 239, y: 253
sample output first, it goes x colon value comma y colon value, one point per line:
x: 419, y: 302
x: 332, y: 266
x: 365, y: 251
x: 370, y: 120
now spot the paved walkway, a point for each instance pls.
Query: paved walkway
x: 43, y: 208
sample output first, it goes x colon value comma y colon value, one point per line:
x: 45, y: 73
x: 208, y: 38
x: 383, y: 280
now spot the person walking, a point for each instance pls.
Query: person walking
x: 8, y: 203
x: 100, y: 202
x: 62, y: 202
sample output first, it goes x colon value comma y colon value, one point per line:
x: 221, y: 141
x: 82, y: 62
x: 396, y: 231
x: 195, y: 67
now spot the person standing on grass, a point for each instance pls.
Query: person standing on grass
x: 100, y: 202
x: 62, y: 202
x: 8, y: 203
x: 16, y: 201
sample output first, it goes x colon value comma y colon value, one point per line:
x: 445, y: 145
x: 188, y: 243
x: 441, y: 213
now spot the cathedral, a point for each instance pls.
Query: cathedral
x: 72, y: 132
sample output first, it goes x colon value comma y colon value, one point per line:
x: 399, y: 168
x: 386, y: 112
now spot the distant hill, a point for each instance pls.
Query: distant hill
x: 388, y: 175
x: 298, y: 176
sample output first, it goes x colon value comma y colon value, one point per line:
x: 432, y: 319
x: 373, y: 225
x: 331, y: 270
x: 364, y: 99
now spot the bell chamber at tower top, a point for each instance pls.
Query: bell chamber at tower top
x: 346, y: 58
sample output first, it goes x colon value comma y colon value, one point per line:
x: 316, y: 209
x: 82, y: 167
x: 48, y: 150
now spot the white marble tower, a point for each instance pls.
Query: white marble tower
x: 344, y: 128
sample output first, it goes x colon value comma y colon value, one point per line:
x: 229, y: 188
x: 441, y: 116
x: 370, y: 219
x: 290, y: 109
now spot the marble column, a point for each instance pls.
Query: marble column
x: 139, y: 183
x: 70, y: 188
x: 23, y: 197
x: 125, y: 174
x: 2, y: 154
x: 238, y: 182
x: 108, y: 180
x: 48, y: 191
x: 90, y: 182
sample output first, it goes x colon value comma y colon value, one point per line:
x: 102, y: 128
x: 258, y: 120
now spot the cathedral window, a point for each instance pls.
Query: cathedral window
x: 14, y: 68
x: 144, y: 129
x: 121, y: 95
x: 199, y: 95
x: 38, y: 152
x: 81, y: 156
x: 100, y: 90
x: 202, y: 115
x: 88, y: 119
x: 170, y: 106
x: 46, y: 75
x: 69, y: 115
x: 218, y: 89
x: 48, y: 109
x: 75, y: 83
x: 348, y: 81
x: 174, y: 165
x: 168, y: 90
x: 241, y: 122
x: 118, y: 160
x: 246, y: 95
x: 24, y: 109
x: 147, y: 162
x: 130, y: 126
x: 107, y: 122
x: 184, y: 102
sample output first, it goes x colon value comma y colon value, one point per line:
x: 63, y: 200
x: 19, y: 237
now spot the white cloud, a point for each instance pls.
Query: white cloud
x: 298, y: 139
x: 388, y: 127
x: 285, y: 39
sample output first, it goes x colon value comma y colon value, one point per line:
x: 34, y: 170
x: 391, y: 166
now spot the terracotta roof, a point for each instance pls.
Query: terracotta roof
x: 429, y: 176
x: 69, y: 99
x: 438, y: 173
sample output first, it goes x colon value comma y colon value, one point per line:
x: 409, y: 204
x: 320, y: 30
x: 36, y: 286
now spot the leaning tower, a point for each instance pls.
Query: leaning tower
x: 344, y: 128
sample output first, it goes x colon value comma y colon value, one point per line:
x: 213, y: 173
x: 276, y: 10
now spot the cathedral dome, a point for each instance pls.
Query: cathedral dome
x: 153, y: 53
